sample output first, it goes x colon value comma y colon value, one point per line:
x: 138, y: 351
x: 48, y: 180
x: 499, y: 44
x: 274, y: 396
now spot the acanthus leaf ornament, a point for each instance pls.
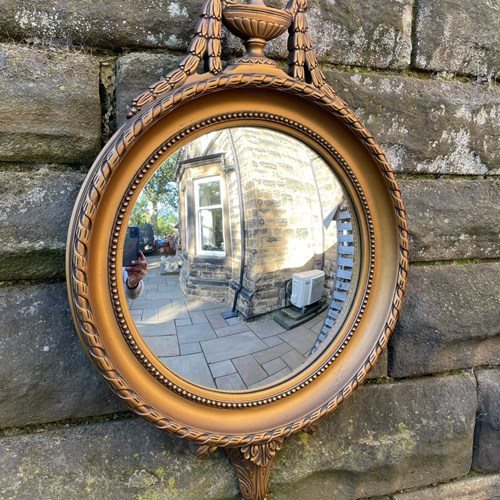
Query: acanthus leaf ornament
x: 252, y: 464
x: 201, y: 450
x: 262, y: 454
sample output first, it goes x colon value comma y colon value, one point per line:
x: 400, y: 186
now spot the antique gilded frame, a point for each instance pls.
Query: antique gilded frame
x: 253, y: 91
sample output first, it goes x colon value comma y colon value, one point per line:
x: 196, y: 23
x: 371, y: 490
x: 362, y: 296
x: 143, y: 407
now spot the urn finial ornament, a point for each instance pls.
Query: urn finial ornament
x: 256, y: 24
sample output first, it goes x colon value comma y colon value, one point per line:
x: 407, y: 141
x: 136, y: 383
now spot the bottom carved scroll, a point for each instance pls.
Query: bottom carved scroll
x: 252, y: 465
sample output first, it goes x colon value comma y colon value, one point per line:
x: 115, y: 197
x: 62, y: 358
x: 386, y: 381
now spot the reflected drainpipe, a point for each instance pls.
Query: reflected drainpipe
x: 233, y: 313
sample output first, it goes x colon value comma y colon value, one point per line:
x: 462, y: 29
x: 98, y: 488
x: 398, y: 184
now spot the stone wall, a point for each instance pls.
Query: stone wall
x: 422, y: 75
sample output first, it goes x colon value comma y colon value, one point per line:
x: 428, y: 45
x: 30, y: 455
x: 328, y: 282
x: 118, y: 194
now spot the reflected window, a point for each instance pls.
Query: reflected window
x: 209, y: 218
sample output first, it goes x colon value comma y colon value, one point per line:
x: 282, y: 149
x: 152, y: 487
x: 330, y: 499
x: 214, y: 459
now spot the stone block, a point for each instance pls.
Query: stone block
x: 250, y: 371
x: 135, y: 73
x: 487, y: 434
x: 452, y: 218
x: 301, y: 338
x: 111, y: 24
x: 222, y: 368
x: 35, y: 208
x: 385, y: 438
x: 425, y: 125
x: 274, y: 366
x: 193, y: 333
x: 345, y: 32
x: 50, y: 109
x: 449, y: 219
x: 450, y: 320
x: 232, y: 382
x: 354, y: 32
x: 455, y: 36
x: 120, y: 459
x: 484, y: 487
x: 165, y: 345
x: 192, y: 367
x: 361, y: 33
x: 44, y: 373
x: 229, y: 347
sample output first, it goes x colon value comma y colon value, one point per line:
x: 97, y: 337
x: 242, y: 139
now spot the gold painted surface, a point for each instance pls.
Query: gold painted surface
x: 313, y: 394
x: 180, y: 107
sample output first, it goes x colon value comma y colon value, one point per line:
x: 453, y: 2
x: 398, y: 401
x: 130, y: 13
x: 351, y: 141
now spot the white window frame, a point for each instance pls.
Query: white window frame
x: 197, y: 182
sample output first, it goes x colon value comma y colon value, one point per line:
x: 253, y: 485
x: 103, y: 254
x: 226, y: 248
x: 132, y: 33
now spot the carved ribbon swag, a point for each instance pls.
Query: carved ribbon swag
x: 206, y: 46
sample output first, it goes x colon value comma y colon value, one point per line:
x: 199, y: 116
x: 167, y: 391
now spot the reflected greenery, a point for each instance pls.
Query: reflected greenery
x: 158, y: 203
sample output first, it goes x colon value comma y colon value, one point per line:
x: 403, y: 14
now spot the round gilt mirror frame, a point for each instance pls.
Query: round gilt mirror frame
x: 250, y: 425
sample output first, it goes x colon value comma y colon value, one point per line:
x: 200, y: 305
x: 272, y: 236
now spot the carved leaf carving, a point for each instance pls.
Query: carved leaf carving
x: 262, y: 454
x: 303, y: 63
x: 252, y: 464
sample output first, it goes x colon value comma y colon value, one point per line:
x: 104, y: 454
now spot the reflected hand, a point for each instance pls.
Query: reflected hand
x: 137, y: 271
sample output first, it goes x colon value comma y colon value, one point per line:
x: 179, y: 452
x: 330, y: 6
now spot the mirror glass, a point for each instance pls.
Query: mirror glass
x: 252, y: 253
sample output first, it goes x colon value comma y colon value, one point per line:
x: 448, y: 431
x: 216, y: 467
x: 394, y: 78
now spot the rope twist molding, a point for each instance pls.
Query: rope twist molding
x: 89, y: 204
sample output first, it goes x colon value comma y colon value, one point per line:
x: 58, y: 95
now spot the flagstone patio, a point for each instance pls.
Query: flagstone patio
x: 192, y: 338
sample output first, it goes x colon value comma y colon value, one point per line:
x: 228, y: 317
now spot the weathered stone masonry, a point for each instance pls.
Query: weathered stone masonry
x: 422, y: 76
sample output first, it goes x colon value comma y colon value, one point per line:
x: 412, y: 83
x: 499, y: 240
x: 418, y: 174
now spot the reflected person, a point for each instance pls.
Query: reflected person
x: 133, y: 276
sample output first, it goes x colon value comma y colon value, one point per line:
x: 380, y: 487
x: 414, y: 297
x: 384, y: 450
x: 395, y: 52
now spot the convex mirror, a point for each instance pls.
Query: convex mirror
x: 253, y: 259
x: 238, y: 252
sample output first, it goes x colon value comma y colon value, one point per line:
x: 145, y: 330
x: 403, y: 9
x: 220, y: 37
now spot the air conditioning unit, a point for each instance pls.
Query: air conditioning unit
x: 307, y: 287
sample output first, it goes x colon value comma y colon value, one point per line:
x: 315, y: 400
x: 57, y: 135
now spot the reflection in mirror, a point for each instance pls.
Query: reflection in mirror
x: 252, y: 258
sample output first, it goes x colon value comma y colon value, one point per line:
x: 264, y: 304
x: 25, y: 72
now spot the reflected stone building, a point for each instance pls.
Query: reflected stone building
x: 256, y: 206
